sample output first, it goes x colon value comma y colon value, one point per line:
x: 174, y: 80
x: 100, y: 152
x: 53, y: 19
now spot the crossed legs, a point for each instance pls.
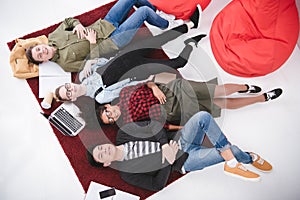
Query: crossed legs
x: 221, y: 91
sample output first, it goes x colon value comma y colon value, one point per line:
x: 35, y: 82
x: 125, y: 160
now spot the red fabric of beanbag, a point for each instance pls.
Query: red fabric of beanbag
x: 182, y: 9
x: 254, y: 38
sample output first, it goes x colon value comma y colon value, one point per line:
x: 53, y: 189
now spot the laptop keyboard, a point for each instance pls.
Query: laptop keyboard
x: 68, y: 119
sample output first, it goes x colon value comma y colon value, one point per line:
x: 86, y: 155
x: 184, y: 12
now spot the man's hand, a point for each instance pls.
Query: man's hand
x: 159, y: 95
x: 80, y: 31
x: 87, y: 70
x: 157, y: 92
x: 168, y: 153
x: 174, y: 146
x: 91, y: 36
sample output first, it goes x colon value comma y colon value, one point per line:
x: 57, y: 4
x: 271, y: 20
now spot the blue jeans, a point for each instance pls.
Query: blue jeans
x: 199, y: 156
x: 125, y: 30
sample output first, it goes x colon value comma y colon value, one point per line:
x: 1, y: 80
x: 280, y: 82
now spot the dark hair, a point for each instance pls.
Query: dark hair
x: 90, y: 157
x: 30, y: 58
x: 99, y: 109
x: 57, y: 95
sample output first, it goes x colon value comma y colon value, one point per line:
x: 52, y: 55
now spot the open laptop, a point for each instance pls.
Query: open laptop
x: 66, y: 119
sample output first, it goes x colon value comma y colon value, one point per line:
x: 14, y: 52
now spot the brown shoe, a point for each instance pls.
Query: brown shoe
x: 240, y: 171
x: 260, y: 163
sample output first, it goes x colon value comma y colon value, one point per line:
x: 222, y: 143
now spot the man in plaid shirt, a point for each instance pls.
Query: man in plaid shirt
x: 138, y: 103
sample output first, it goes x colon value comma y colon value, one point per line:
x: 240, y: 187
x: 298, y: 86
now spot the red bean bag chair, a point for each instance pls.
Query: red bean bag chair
x: 254, y: 38
x: 182, y: 9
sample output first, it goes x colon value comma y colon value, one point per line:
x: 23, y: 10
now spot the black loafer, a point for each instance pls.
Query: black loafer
x: 273, y: 94
x: 194, y: 39
x: 251, y: 89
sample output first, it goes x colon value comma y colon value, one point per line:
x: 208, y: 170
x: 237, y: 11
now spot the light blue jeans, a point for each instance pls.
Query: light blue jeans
x: 201, y: 124
x: 125, y: 30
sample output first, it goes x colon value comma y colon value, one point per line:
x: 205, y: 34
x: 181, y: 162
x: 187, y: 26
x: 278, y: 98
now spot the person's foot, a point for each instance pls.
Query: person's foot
x: 251, y: 89
x: 241, y: 172
x: 196, y: 16
x: 165, y: 15
x: 273, y: 94
x: 174, y: 23
x: 194, y: 39
x: 260, y: 163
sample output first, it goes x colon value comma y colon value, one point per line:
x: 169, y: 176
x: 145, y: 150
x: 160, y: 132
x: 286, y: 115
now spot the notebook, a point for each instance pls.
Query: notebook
x: 66, y: 119
x: 51, y: 76
x: 95, y: 189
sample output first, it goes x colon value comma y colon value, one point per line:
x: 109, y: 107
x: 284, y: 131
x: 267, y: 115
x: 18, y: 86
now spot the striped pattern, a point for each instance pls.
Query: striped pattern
x: 140, y: 148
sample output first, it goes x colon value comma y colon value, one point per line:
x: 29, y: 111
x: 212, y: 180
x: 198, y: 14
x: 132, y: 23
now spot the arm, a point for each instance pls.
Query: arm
x: 88, y: 34
x: 92, y: 65
x: 172, y: 127
x: 112, y: 92
x: 67, y: 25
x: 154, y: 182
x: 74, y: 25
x: 157, y: 92
x: 70, y: 23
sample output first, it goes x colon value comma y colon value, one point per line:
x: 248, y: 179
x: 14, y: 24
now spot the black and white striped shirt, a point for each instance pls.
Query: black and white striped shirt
x: 140, y: 148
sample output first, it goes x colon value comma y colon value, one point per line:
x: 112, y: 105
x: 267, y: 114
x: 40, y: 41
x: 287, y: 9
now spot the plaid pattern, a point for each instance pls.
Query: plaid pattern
x: 137, y: 103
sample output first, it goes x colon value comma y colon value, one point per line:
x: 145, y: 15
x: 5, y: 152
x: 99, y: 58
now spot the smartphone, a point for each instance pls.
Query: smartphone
x: 107, y: 193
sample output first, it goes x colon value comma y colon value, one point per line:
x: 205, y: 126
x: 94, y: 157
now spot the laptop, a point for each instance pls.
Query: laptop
x: 66, y: 119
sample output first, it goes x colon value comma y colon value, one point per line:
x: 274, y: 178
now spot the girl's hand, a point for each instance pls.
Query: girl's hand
x: 91, y: 36
x: 80, y: 30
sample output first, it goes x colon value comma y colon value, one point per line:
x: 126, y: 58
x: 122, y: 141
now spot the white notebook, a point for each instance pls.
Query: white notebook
x: 95, y: 188
x: 51, y: 75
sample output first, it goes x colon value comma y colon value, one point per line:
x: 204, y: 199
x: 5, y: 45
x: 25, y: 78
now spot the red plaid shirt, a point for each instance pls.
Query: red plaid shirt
x: 136, y: 102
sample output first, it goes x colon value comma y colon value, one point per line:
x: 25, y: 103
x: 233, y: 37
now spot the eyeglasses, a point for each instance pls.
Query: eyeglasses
x: 108, y: 115
x: 68, y: 92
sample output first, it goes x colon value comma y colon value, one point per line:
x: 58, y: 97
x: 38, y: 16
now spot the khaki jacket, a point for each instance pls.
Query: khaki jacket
x: 72, y: 52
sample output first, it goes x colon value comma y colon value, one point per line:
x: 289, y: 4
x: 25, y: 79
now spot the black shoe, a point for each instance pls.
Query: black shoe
x: 273, y: 94
x: 252, y: 89
x: 194, y: 39
x: 196, y: 16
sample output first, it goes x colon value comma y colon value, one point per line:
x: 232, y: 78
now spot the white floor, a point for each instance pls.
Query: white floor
x: 34, y: 166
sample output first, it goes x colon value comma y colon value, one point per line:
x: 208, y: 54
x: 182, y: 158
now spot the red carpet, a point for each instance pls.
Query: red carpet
x: 75, y: 147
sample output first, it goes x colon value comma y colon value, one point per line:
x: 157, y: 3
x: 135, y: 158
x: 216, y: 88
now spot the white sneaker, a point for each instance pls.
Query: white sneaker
x: 165, y: 15
x: 174, y: 23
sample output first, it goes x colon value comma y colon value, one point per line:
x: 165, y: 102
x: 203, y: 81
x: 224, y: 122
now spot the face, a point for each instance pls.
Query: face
x: 42, y: 52
x: 70, y: 91
x: 105, y: 154
x: 111, y: 114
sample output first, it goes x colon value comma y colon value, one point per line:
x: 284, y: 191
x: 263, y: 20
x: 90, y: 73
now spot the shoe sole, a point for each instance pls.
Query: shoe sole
x: 200, y: 14
x: 242, y: 178
x: 261, y: 169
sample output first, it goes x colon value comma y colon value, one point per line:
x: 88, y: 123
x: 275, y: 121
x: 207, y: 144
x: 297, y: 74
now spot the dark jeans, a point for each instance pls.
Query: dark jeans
x: 134, y: 61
